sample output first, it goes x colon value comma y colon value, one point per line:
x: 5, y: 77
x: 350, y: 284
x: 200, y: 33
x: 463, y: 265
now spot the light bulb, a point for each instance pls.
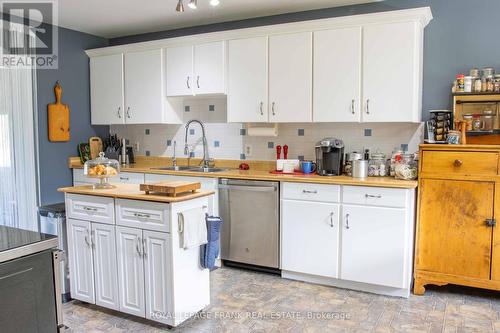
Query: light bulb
x: 214, y: 2
x: 192, y: 4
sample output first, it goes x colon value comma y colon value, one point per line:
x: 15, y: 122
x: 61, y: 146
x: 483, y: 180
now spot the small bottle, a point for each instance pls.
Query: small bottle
x: 468, y: 84
x: 460, y: 83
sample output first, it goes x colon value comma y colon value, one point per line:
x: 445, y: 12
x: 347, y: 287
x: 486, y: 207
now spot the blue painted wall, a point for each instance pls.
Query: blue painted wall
x: 463, y: 34
x: 73, y: 74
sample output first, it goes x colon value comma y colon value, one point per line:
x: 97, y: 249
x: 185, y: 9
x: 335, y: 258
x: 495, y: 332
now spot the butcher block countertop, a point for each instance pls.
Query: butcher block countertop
x: 131, y: 191
x: 259, y: 170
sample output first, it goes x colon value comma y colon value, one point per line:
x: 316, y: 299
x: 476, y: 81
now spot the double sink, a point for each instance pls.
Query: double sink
x: 191, y: 169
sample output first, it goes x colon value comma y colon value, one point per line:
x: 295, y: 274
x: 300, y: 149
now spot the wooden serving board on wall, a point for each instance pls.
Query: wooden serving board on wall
x: 58, y: 118
x: 170, y: 188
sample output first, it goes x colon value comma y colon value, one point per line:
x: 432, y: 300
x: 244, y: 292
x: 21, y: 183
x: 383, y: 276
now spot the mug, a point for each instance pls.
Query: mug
x: 308, y: 167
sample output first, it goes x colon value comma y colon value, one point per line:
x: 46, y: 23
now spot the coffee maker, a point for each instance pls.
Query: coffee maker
x: 330, y: 157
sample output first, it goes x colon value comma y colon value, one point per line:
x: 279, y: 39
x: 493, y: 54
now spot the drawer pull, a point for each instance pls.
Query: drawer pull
x: 458, y: 163
x: 347, y: 221
x: 138, y: 246
x: 144, y: 246
x: 86, y: 238
x: 309, y: 191
x: 90, y: 209
x: 331, y: 219
x: 140, y: 215
x: 124, y: 178
x: 491, y: 222
x: 373, y: 196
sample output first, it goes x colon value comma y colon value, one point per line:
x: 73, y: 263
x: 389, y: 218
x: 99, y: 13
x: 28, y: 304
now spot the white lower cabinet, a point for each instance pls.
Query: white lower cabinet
x: 310, y: 237
x: 130, y: 270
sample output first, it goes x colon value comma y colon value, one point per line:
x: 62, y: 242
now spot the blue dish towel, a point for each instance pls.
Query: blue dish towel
x: 210, y: 251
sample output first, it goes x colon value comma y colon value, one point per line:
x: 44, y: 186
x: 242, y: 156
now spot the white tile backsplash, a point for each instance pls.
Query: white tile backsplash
x: 384, y: 137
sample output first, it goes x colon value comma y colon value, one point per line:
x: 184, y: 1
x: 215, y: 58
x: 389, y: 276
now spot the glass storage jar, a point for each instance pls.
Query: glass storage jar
x: 487, y: 122
x: 406, y: 167
x: 468, y: 121
x: 377, y: 166
x: 102, y: 168
x: 394, y: 156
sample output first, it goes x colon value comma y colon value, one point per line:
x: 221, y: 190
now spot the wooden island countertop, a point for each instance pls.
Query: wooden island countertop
x: 131, y: 191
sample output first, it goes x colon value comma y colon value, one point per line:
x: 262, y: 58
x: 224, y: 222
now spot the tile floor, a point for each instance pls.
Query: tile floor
x: 244, y: 301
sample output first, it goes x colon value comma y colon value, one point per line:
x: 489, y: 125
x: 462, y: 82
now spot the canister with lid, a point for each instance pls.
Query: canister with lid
x: 377, y: 166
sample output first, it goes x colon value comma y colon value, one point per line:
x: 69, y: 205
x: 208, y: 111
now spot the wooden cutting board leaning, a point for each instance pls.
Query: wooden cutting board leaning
x: 58, y: 118
x: 170, y: 188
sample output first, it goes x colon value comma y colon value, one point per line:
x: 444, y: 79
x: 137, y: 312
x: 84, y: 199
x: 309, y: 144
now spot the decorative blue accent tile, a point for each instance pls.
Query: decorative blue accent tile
x: 300, y: 157
x: 404, y: 147
x: 147, y: 131
x: 127, y: 142
x: 191, y: 131
x: 191, y: 154
x: 211, y: 107
x: 270, y: 145
x: 243, y: 131
x: 169, y: 143
x: 242, y: 156
x: 300, y: 132
x: 148, y: 153
x: 216, y: 144
x: 187, y: 108
x: 368, y: 132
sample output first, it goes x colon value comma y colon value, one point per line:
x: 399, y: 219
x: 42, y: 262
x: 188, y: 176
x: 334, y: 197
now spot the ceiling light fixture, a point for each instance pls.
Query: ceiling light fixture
x: 180, y: 7
x: 214, y: 2
x: 192, y: 4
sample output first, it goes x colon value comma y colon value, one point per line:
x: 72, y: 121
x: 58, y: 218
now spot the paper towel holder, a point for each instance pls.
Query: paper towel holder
x: 259, y: 130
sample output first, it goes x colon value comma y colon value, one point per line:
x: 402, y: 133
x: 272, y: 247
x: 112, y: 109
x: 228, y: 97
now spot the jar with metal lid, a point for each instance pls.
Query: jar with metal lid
x: 102, y: 168
x: 497, y: 83
x: 350, y: 157
x: 488, y: 71
x: 487, y: 121
x: 406, y: 167
x: 475, y: 72
x: 377, y: 166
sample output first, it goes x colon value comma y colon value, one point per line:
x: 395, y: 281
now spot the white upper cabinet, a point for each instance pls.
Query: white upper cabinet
x: 247, y: 80
x: 106, y: 89
x: 209, y: 68
x: 290, y: 77
x: 144, y: 87
x: 392, y: 70
x: 179, y: 65
x: 337, y: 75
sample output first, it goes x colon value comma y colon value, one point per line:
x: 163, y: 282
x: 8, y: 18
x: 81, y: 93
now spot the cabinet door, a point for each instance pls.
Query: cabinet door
x: 453, y: 237
x: 247, y: 80
x: 105, y: 268
x: 337, y: 75
x: 391, y: 72
x: 179, y: 71
x: 310, y: 237
x: 144, y: 87
x: 290, y: 77
x: 157, y: 275
x: 130, y: 270
x: 209, y: 68
x: 81, y: 270
x: 374, y: 245
x: 106, y: 90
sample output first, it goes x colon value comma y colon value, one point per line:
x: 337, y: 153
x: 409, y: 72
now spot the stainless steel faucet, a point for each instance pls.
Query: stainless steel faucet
x: 206, y: 158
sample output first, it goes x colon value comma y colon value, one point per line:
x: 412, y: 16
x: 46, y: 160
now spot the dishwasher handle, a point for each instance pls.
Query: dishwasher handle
x: 248, y: 188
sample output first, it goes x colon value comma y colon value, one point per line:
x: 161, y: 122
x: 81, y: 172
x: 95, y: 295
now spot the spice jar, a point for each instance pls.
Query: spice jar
x: 406, y: 167
x: 468, y: 121
x: 477, y: 124
x: 460, y: 83
x: 377, y: 166
x: 468, y: 84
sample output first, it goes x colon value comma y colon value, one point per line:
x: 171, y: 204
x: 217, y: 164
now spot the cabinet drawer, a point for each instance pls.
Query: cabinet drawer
x: 143, y: 215
x: 374, y: 196
x: 461, y: 163
x: 90, y: 208
x: 312, y: 192
x: 128, y: 178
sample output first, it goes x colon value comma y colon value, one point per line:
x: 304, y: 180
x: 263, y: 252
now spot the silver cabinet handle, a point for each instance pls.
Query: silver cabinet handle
x: 261, y: 106
x: 124, y: 178
x: 309, y: 191
x: 347, y: 221
x: 352, y: 107
x: 373, y: 196
x: 187, y: 83
x: 368, y: 106
x: 141, y: 215
x: 128, y: 112
x: 272, y: 109
x: 144, y: 247
x: 92, y: 236
x: 138, y: 246
x: 198, y: 81
x: 118, y: 112
x: 331, y: 219
x: 86, y: 238
x: 90, y: 209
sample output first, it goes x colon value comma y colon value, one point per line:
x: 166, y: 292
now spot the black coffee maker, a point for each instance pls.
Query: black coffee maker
x: 330, y: 157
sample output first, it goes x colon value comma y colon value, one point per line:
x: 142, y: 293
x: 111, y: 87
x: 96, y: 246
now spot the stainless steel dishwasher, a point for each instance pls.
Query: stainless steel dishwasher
x: 250, y: 232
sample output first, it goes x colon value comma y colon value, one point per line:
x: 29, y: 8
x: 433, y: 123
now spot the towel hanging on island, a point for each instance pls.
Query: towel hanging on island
x: 210, y: 251
x: 193, y: 228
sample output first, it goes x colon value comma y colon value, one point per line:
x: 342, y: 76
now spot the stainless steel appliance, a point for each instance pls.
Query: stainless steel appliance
x: 250, y: 232
x: 330, y: 157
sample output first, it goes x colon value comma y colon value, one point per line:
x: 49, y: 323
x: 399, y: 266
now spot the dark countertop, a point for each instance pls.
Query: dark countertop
x: 15, y: 243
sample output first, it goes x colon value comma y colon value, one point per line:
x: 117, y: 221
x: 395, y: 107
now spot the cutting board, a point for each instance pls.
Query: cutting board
x: 171, y: 188
x: 58, y: 118
x: 95, y: 144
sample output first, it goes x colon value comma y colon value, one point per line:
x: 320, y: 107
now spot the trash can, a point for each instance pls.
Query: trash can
x: 53, y: 222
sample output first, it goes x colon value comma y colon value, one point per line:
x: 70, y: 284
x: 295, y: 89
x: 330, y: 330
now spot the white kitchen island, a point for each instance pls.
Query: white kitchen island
x: 124, y: 252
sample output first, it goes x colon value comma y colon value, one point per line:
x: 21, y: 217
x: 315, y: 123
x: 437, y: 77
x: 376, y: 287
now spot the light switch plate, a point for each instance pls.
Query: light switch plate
x: 248, y: 150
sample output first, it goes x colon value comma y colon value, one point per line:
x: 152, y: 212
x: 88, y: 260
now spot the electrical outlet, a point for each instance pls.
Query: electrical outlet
x: 248, y: 150
x: 136, y: 146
